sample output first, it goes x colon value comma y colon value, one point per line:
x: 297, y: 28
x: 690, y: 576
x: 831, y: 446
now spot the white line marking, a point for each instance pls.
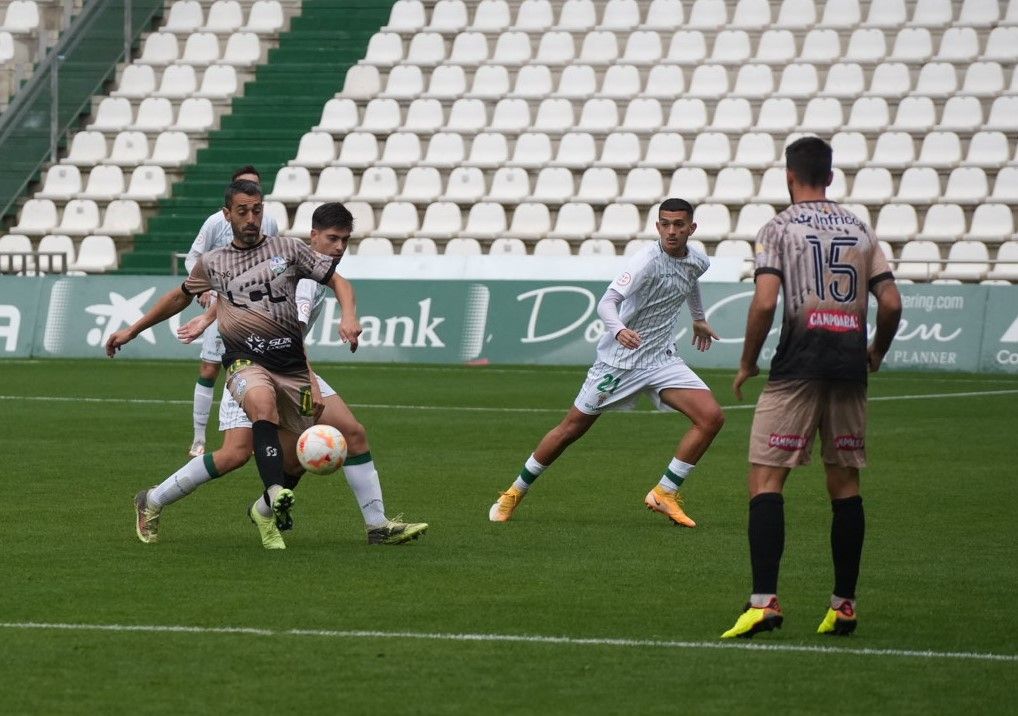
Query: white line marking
x: 479, y: 409
x: 518, y: 638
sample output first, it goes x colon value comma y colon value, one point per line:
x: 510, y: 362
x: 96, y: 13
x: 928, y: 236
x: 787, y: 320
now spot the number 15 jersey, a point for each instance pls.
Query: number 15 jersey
x: 828, y: 261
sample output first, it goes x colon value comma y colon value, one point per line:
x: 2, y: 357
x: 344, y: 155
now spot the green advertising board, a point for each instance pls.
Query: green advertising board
x: 944, y: 327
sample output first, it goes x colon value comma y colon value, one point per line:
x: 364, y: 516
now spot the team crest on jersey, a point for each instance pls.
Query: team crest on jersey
x: 624, y: 279
x: 278, y: 264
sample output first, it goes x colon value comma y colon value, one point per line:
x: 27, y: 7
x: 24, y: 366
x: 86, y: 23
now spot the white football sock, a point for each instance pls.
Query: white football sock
x: 180, y: 484
x: 202, y: 406
x: 363, y: 482
x: 675, y: 475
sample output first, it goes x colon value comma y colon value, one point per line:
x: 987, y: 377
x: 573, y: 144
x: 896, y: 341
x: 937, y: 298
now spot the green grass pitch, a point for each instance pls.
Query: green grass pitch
x: 584, y: 603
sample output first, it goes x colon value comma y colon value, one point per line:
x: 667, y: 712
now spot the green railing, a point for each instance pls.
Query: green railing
x: 61, y: 88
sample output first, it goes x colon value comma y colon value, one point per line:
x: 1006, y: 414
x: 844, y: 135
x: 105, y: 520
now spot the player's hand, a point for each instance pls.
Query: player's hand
x: 703, y: 335
x: 873, y: 360
x: 117, y: 340
x: 192, y: 330
x: 350, y: 331
x: 206, y: 298
x: 628, y: 338
x: 317, y: 402
x: 744, y: 374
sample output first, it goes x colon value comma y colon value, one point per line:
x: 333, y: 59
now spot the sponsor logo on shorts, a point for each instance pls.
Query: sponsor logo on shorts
x: 240, y: 388
x: 790, y: 443
x: 849, y: 442
x: 834, y: 321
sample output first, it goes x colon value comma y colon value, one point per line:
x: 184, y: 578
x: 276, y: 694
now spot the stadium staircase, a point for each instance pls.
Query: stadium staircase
x: 265, y: 125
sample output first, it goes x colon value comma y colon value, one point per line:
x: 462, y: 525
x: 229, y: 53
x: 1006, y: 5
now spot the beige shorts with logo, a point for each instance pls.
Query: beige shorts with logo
x: 293, y: 393
x: 789, y: 414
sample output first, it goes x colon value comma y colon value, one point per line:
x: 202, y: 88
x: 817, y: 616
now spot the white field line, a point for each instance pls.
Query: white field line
x: 480, y: 409
x: 518, y: 638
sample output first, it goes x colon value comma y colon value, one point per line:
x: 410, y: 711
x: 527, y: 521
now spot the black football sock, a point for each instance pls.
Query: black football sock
x: 290, y: 481
x: 766, y: 540
x: 848, y: 529
x: 268, y: 454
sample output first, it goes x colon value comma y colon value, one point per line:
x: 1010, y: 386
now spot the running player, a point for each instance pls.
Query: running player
x: 215, y: 233
x: 636, y: 355
x: 331, y: 225
x: 826, y: 262
x: 256, y: 278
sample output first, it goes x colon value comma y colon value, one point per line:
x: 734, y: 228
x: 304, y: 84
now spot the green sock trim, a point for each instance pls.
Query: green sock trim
x: 527, y: 476
x: 210, y: 465
x: 207, y: 382
x: 359, y: 459
x: 674, y: 478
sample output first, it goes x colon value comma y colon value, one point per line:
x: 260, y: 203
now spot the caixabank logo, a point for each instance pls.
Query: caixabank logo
x: 1007, y: 355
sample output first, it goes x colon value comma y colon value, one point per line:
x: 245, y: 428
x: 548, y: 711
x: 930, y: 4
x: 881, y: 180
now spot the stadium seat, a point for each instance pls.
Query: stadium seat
x: 555, y: 48
x: 845, y: 79
x: 378, y: 185
x: 398, y: 220
x: 919, y: 261
x: 96, y: 254
x: 733, y: 185
x: 798, y: 80
x: 821, y: 47
x: 112, y: 115
x: 362, y: 82
x: 488, y: 150
x: 359, y: 149
x: 442, y: 220
x: 339, y: 116
x: 426, y: 49
x: 469, y: 49
x: 403, y: 82
x: 381, y: 116
x: 509, y: 185
x: 80, y: 218
x: 691, y: 184
x: 643, y: 48
x: 105, y: 183
x: 406, y: 16
x: 450, y: 81
x: 912, y: 45
x: 574, y: 219
x: 866, y: 45
x: 710, y: 150
x: 363, y: 217
x: 733, y: 115
x: 1005, y: 267
x: 596, y: 247
x: 937, y: 79
x: 384, y: 49
x: 643, y: 116
x: 753, y: 81
x: 531, y: 221
x: 620, y: 15
x: 37, y: 217
x: 491, y: 16
x: 465, y: 185
x: 752, y: 218
x: 978, y: 13
x: 869, y: 114
x: 460, y: 246
x: 62, y: 182
x: 160, y: 49
x: 185, y: 16
x: 1003, y: 114
x: 887, y: 14
x: 635, y: 246
x: 988, y: 149
x: 424, y: 116
x: 315, y: 150
x: 291, y: 186
x: 486, y: 220
x: 943, y: 223
x: 1002, y: 44
x: 374, y: 246
x: 665, y: 150
x: 664, y: 82
x: 554, y: 185
x: 121, y: 218
x: 599, y: 116
x: 984, y: 79
x: 334, y: 184
x: 890, y: 79
x: 598, y: 185
x: 576, y: 150
x: 643, y: 185
x: 622, y: 82
x: 136, y: 82
x: 688, y: 47
x: 200, y: 48
x: 512, y: 48
x: 919, y: 185
x: 510, y: 116
x: 916, y: 115
x: 897, y: 223
x: 196, y: 115
x: 532, y: 81
x: 421, y: 185
x: 15, y: 244
x: 552, y: 247
x: 822, y: 115
x: 713, y: 222
x: 621, y: 150
x: 87, y: 148
x: 736, y: 248
x: 932, y: 13
x: 894, y: 150
x: 844, y: 14
x: 731, y: 47
x: 554, y: 116
x: 60, y: 248
x: 708, y: 81
x: 872, y: 185
x: 467, y: 116
x: 265, y: 18
x: 777, y: 115
x: 401, y: 150
x: 850, y: 150
x: 445, y: 149
x: 687, y: 115
x: 967, y: 261
x: 940, y: 149
x: 966, y: 185
x: 991, y: 223
x: 225, y: 16
x: 773, y: 187
x: 506, y: 246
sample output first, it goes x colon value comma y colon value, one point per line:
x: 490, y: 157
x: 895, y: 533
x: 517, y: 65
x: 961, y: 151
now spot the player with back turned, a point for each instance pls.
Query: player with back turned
x: 826, y: 263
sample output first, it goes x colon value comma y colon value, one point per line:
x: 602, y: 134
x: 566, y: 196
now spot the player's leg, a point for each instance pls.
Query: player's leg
x: 362, y: 475
x: 784, y: 423
x: 196, y: 472
x: 208, y: 372
x: 575, y: 424
x: 842, y: 433
x: 702, y: 409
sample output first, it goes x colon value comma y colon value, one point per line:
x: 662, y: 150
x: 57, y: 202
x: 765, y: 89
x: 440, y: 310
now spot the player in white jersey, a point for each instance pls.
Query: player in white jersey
x: 331, y: 226
x: 637, y: 355
x: 215, y: 233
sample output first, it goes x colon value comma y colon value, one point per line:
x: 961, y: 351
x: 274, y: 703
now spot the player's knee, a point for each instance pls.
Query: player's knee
x: 209, y: 371
x: 356, y: 438
x: 229, y: 459
x: 711, y: 421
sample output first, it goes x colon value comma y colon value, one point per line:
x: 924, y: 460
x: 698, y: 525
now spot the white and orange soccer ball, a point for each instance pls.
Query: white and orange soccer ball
x: 321, y: 449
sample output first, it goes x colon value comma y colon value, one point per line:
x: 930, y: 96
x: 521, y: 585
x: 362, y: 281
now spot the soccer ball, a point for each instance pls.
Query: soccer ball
x: 321, y: 449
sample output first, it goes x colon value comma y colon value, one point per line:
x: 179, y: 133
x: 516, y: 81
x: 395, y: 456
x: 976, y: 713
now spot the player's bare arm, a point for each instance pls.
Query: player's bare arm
x: 193, y: 329
x: 758, y: 325
x: 170, y: 304
x: 888, y: 318
x: 349, y: 324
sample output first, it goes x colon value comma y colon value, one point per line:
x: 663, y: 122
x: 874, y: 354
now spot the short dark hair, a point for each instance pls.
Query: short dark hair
x: 241, y: 186
x: 332, y: 215
x: 246, y: 170
x: 809, y: 159
x: 674, y: 204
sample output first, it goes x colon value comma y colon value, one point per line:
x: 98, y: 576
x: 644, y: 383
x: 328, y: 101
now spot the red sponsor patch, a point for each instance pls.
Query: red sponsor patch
x: 849, y: 442
x: 835, y: 321
x: 791, y: 443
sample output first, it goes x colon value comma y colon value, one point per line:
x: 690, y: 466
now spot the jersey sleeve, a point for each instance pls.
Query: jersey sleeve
x: 768, y: 249
x: 305, y: 299
x: 880, y: 269
x: 313, y: 265
x: 197, y: 281
x: 634, y: 273
x: 200, y: 244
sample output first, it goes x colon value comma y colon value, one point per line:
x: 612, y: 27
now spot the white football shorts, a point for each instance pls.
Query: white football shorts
x: 611, y: 388
x: 232, y: 416
x: 212, y: 348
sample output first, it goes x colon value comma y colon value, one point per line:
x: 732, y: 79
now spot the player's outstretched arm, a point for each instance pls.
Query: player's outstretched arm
x: 193, y: 329
x: 170, y: 304
x: 703, y: 335
x: 349, y: 324
x: 758, y: 325
x: 888, y: 318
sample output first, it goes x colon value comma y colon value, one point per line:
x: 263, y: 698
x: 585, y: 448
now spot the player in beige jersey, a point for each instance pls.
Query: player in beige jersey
x: 826, y: 263
x: 255, y: 279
